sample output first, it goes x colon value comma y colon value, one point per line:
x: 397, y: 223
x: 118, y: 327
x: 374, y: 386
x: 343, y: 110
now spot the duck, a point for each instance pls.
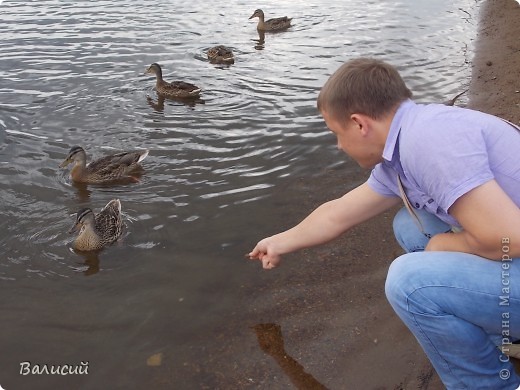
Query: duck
x: 220, y: 55
x: 175, y: 89
x: 109, y: 168
x: 275, y: 24
x: 97, y: 230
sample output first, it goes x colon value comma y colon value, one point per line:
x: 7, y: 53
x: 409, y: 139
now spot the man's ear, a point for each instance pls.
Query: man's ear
x: 363, y: 122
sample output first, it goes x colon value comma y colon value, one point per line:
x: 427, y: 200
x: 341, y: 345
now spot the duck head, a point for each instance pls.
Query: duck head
x: 76, y: 154
x: 257, y: 14
x: 155, y: 69
x: 84, y: 217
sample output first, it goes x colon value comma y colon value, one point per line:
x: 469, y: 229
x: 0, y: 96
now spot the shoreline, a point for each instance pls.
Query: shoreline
x: 495, y: 85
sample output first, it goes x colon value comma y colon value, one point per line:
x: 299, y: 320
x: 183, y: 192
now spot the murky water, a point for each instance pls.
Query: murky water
x: 72, y: 73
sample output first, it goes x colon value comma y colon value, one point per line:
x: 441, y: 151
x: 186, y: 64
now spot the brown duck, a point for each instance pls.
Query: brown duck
x: 175, y: 89
x: 109, y: 168
x: 275, y: 24
x: 220, y: 55
x: 98, y: 230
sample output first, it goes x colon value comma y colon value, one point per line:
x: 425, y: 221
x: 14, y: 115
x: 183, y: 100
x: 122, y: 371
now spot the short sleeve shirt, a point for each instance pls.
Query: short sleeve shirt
x: 442, y: 152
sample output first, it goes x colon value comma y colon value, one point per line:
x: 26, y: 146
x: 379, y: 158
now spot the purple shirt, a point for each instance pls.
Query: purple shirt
x: 443, y: 152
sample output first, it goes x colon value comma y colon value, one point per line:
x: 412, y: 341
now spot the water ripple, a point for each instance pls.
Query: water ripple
x: 73, y: 74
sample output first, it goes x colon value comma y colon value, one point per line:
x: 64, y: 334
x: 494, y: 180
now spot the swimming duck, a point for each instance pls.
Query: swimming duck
x: 275, y: 24
x: 98, y: 230
x: 109, y: 168
x: 175, y: 89
x: 220, y: 55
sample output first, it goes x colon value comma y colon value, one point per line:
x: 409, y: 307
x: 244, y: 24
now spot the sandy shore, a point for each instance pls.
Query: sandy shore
x: 495, y: 83
x: 322, y: 320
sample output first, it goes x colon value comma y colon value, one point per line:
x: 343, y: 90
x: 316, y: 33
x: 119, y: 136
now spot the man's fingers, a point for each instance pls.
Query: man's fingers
x: 255, y: 254
x: 266, y: 263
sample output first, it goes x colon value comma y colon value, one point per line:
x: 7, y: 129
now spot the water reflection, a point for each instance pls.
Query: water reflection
x: 271, y: 342
x: 158, y: 106
x: 90, y: 265
x: 260, y: 42
x: 82, y: 191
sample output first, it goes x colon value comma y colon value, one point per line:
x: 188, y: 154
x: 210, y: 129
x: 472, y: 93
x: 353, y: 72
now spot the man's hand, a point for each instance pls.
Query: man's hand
x: 266, y: 252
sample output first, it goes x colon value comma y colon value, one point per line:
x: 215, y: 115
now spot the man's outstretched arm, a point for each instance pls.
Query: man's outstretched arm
x: 327, y: 222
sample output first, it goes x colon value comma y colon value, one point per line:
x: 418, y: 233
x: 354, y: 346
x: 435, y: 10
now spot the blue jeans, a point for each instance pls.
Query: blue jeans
x: 457, y: 305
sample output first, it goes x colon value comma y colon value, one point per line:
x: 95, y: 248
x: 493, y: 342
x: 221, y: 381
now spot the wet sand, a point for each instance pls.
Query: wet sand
x: 321, y: 320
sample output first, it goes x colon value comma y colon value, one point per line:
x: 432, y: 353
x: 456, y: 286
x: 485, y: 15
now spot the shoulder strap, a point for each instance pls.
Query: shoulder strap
x: 408, y: 205
x: 512, y: 124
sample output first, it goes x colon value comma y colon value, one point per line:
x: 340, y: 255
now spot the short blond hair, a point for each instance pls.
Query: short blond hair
x: 364, y: 86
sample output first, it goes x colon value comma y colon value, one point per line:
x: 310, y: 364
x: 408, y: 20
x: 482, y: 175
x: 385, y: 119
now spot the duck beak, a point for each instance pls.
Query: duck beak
x: 74, y: 228
x: 65, y: 162
x: 252, y: 16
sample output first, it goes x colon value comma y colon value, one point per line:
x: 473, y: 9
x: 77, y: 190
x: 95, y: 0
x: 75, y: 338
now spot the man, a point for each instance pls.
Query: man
x: 458, y: 287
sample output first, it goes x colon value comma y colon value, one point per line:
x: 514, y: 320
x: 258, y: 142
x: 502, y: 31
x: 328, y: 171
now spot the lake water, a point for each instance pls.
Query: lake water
x: 216, y: 179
